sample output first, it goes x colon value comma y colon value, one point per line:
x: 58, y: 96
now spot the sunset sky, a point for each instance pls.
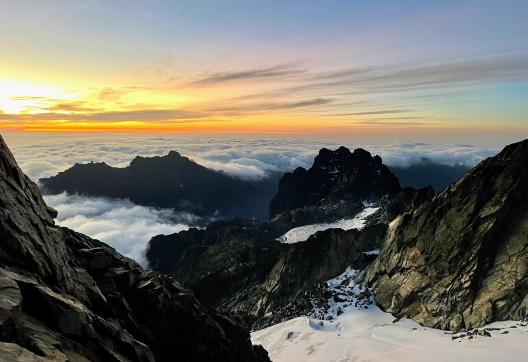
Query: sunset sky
x: 329, y: 66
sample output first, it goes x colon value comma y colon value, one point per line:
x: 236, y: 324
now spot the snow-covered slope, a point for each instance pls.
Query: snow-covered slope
x: 350, y: 327
x: 302, y: 233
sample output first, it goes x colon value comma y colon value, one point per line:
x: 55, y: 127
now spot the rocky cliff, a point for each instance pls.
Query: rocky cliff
x: 335, y: 177
x: 66, y: 297
x: 239, y: 267
x: 170, y: 181
x: 461, y: 259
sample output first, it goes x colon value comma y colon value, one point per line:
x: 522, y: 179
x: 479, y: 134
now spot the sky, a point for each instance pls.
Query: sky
x: 397, y: 69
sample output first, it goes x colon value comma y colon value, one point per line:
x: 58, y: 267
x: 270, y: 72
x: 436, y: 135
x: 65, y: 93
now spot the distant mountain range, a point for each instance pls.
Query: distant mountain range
x: 175, y: 181
x: 239, y: 266
x: 170, y: 181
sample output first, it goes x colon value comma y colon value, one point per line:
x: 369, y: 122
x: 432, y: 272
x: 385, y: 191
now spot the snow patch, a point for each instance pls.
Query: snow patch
x: 361, y: 331
x: 302, y: 233
x: 345, y: 293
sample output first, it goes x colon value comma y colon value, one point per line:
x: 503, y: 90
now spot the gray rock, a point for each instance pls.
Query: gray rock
x: 460, y: 260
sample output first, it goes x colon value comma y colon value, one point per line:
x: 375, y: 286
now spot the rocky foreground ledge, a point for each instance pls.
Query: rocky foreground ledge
x: 67, y: 297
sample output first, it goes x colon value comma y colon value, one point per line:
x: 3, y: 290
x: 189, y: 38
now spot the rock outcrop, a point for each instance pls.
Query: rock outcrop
x: 239, y: 267
x: 218, y: 262
x: 170, y: 181
x: 66, y: 297
x: 461, y: 259
x: 335, y: 177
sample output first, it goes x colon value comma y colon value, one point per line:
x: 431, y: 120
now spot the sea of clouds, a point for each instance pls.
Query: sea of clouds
x: 128, y: 227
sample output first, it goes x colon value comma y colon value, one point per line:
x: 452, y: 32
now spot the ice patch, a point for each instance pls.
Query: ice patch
x: 302, y: 233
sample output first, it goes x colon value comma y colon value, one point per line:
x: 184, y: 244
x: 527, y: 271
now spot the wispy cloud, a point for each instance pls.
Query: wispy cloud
x: 374, y: 112
x: 361, y: 93
x: 275, y: 71
x: 420, y: 76
x: 143, y: 115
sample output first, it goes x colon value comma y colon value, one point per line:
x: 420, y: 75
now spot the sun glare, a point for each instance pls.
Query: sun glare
x: 27, y: 98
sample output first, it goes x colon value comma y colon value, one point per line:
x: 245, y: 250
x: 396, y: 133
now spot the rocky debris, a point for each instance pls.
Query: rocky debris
x: 460, y: 260
x: 344, y: 293
x: 170, y: 181
x: 484, y: 332
x: 335, y: 176
x: 66, y: 297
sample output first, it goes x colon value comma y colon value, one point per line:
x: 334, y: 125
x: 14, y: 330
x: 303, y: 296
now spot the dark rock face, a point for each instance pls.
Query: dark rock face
x: 170, y: 181
x: 336, y: 176
x: 314, y: 214
x: 66, y: 297
x: 220, y: 261
x: 408, y: 199
x: 240, y: 268
x: 461, y: 260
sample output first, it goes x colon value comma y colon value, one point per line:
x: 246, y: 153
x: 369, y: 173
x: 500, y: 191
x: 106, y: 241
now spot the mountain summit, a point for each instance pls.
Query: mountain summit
x: 335, y: 176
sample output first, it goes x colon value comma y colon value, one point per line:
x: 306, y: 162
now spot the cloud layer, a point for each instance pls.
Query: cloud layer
x: 44, y: 156
x: 121, y: 224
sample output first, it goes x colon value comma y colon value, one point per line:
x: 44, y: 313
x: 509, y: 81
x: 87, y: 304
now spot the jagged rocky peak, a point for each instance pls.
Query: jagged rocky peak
x: 335, y: 176
x: 342, y: 155
x: 172, y: 156
x: 461, y: 259
x: 67, y: 297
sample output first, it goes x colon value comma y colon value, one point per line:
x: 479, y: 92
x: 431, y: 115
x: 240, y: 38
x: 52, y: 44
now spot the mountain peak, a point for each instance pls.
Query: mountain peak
x: 174, y: 154
x: 335, y: 175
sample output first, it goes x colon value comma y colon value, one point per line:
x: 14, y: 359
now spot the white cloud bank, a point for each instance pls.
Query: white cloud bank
x: 45, y: 155
x: 123, y: 225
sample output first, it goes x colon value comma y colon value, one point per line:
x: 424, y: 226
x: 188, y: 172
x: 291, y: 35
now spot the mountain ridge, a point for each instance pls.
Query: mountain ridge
x: 169, y: 181
x: 224, y: 262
